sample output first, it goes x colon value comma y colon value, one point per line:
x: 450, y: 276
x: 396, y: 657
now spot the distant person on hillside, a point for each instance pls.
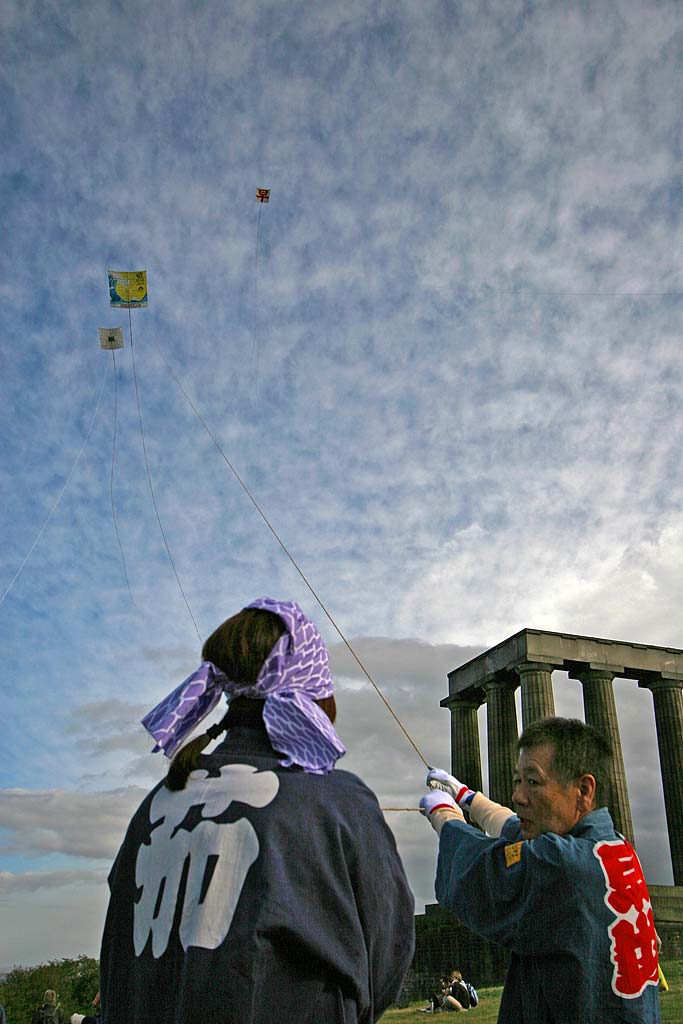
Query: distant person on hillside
x: 552, y: 881
x: 256, y: 883
x: 50, y: 1012
x: 457, y: 997
x: 3, y: 1015
x: 454, y: 994
x: 436, y: 997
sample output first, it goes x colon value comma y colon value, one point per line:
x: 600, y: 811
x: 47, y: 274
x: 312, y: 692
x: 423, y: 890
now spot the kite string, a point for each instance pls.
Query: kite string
x: 401, y: 809
x: 59, y: 496
x: 255, y: 353
x: 149, y: 479
x: 258, y: 232
x: 111, y: 481
x: 319, y: 601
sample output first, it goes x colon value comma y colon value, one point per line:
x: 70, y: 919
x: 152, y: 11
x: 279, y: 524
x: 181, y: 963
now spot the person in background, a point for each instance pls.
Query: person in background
x: 50, y: 1012
x: 436, y: 997
x: 257, y: 882
x: 552, y: 881
x: 457, y: 997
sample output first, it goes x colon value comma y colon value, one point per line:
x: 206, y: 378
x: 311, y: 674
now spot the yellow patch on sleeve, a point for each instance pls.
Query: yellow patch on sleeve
x: 513, y: 854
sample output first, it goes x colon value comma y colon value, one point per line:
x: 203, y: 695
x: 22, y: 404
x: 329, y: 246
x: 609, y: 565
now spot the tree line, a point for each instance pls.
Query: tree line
x: 75, y: 982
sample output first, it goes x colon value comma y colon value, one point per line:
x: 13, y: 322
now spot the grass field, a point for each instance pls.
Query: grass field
x: 489, y: 1001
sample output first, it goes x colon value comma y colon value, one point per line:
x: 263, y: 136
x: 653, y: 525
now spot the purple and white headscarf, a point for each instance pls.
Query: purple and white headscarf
x: 294, y: 675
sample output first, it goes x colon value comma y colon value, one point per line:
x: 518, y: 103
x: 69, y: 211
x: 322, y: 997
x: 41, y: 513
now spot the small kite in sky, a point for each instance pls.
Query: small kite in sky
x: 263, y: 195
x: 127, y: 288
x: 111, y: 337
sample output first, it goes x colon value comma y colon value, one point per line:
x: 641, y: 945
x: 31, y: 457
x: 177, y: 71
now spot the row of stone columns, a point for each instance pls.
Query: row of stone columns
x: 599, y: 710
x: 667, y: 695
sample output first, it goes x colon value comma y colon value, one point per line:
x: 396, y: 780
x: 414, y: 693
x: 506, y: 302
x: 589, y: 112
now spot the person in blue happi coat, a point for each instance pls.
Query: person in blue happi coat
x: 257, y: 882
x: 552, y: 881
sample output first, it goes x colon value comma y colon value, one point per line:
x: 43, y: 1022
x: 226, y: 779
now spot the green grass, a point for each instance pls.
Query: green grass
x: 671, y: 1001
x: 486, y: 1012
x: 489, y: 1001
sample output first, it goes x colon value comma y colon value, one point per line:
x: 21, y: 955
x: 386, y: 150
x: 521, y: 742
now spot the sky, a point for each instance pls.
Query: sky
x: 445, y: 359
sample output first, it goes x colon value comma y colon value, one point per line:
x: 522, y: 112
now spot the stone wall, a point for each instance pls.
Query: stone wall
x: 667, y: 905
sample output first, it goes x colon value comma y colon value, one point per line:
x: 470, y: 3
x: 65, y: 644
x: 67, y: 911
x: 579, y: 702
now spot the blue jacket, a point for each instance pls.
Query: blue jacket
x: 573, y: 909
x: 257, y: 894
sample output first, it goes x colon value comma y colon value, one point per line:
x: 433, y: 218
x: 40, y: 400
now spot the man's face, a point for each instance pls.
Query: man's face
x: 541, y: 803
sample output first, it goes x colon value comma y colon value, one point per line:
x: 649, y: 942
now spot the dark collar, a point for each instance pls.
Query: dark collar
x: 246, y: 739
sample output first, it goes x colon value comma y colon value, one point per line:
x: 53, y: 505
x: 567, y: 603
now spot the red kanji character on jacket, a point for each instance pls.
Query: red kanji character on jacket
x: 633, y: 937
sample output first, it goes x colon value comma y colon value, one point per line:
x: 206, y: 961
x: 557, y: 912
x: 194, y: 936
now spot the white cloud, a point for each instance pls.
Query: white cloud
x: 31, y: 881
x: 92, y: 825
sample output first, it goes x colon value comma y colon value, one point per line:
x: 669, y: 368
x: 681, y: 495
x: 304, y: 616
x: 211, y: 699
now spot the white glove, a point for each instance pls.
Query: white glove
x: 76, y: 1018
x: 439, y: 779
x: 436, y: 801
x: 439, y: 807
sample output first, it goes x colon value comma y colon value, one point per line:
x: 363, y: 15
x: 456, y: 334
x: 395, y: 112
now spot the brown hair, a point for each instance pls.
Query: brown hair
x: 242, y: 643
x: 238, y: 647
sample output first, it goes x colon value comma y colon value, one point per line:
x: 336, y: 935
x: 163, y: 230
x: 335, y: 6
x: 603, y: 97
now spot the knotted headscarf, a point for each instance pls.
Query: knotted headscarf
x: 294, y: 675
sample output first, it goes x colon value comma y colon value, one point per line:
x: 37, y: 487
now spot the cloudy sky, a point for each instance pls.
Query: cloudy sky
x: 450, y: 373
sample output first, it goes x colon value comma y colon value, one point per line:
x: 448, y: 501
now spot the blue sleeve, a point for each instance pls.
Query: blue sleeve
x: 509, y: 890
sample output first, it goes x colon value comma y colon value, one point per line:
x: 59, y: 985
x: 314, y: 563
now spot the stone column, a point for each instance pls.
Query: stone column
x: 537, y: 691
x: 465, y: 753
x: 667, y: 695
x: 600, y: 711
x: 502, y: 737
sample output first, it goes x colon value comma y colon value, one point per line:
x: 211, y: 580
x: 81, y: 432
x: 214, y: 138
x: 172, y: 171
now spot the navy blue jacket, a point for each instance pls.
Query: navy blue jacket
x: 257, y: 894
x: 573, y: 909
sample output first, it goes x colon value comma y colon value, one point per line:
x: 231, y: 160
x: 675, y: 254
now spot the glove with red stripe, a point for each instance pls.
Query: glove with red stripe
x: 436, y: 801
x: 438, y: 779
x: 439, y: 807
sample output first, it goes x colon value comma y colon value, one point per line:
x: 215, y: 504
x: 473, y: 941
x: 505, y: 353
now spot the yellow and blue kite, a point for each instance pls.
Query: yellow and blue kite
x: 127, y: 288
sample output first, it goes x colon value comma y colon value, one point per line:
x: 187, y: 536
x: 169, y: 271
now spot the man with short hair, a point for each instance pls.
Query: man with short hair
x: 552, y: 881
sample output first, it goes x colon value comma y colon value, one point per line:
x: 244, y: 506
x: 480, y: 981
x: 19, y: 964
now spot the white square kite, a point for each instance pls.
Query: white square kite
x: 111, y: 337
